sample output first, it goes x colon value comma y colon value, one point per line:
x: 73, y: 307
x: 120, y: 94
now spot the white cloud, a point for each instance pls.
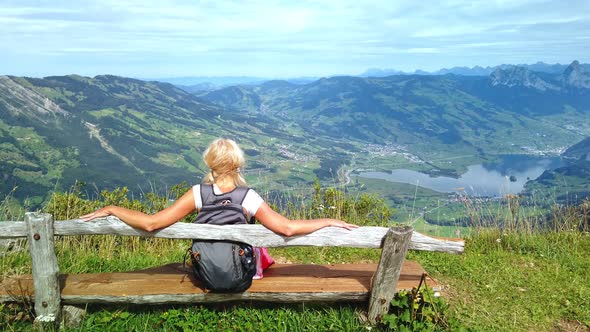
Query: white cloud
x: 276, y: 35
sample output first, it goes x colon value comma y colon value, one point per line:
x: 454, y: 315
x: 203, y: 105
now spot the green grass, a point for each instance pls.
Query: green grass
x: 502, y: 282
x: 518, y: 279
x: 104, y: 112
x: 516, y: 282
x: 250, y: 318
x: 228, y: 317
x: 420, y: 225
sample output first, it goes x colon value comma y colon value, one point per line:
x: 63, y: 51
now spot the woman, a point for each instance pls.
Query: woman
x: 225, y: 160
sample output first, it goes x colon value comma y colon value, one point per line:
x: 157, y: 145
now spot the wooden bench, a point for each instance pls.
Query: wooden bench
x: 172, y: 283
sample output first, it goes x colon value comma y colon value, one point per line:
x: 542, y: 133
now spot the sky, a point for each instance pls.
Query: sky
x: 281, y: 39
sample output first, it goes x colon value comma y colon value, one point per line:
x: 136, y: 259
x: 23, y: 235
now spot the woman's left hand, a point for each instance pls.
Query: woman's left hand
x: 342, y: 224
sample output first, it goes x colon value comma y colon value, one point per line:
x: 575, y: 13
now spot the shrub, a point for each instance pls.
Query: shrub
x: 418, y: 310
x: 364, y: 210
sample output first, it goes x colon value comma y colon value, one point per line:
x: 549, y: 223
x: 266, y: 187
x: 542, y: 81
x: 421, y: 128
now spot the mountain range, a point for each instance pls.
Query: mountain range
x: 473, y: 112
x: 210, y: 83
x: 111, y: 131
x: 540, y: 67
x: 108, y: 130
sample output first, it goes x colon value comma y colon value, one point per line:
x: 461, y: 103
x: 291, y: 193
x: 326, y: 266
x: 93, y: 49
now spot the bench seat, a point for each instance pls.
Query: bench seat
x: 173, y: 283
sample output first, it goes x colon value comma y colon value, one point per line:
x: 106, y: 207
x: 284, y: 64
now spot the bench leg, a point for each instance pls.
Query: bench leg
x: 44, y: 267
x: 384, y: 284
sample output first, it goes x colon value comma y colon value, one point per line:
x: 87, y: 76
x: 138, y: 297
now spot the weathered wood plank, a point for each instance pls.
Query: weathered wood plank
x: 44, y: 267
x: 387, y: 275
x: 423, y: 242
x: 174, y: 284
x: 258, y: 235
x: 218, y: 297
x: 12, y: 229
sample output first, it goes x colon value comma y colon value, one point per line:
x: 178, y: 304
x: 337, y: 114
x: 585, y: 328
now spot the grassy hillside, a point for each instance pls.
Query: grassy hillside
x: 579, y: 151
x: 432, y: 116
x: 568, y: 184
x: 111, y: 131
x: 565, y: 185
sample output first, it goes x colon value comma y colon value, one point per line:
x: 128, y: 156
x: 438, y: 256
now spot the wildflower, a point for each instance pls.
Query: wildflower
x: 46, y: 318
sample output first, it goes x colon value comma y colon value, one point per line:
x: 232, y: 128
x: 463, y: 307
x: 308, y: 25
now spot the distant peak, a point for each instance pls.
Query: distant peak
x: 515, y: 74
x: 575, y: 66
x: 276, y: 83
x: 512, y: 76
x: 575, y: 75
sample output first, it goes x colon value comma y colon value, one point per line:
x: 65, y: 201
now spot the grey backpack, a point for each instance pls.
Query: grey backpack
x: 223, y: 266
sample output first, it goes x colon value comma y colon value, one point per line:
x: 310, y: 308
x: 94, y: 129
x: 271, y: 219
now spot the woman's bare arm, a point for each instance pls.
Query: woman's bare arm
x: 186, y: 204
x: 281, y: 225
x: 182, y: 207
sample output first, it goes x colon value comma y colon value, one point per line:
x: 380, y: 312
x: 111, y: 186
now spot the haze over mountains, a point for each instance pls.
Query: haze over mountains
x: 111, y: 131
x: 473, y: 71
x: 207, y: 83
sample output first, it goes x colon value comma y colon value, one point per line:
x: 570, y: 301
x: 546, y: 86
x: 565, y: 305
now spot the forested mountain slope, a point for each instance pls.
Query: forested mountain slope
x: 111, y: 131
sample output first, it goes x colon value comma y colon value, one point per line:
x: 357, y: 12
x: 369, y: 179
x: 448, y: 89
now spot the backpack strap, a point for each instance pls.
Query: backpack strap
x: 240, y: 193
x: 236, y: 196
x: 208, y: 195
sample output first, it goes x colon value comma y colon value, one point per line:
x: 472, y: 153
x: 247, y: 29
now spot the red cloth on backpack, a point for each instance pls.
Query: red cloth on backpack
x: 263, y: 261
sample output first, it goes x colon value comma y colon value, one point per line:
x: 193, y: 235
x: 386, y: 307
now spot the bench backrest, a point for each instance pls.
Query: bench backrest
x: 256, y: 235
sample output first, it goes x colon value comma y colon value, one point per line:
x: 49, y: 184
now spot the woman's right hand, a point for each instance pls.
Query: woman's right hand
x: 100, y: 213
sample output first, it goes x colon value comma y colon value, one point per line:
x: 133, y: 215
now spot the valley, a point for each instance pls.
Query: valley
x: 108, y: 131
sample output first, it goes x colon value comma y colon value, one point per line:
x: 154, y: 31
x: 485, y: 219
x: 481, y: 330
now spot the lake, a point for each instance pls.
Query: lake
x: 506, y: 176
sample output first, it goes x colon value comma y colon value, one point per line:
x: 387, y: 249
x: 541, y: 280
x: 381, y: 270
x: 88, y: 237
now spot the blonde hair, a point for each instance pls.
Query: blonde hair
x: 224, y: 159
